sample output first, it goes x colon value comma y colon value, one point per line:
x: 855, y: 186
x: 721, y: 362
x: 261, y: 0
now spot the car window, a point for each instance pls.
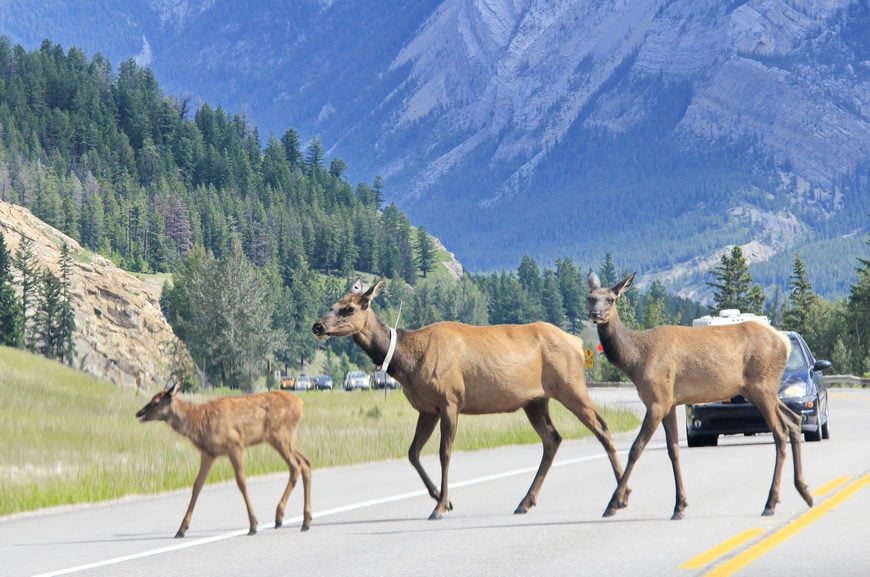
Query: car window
x: 796, y: 359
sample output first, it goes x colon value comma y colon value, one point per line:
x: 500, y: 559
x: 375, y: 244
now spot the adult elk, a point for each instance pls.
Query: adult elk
x: 225, y: 426
x: 672, y: 365
x: 449, y: 368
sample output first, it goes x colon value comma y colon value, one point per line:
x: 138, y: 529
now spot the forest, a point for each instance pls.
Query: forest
x: 261, y: 239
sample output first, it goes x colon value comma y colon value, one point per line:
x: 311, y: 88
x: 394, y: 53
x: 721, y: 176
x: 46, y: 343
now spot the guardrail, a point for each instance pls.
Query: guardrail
x: 848, y: 380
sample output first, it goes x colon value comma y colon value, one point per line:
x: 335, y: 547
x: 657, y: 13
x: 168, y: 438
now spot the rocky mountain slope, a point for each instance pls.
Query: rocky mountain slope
x: 122, y: 335
x: 661, y: 131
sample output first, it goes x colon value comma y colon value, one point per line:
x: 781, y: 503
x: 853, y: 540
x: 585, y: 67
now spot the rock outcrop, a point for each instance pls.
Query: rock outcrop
x: 121, y: 334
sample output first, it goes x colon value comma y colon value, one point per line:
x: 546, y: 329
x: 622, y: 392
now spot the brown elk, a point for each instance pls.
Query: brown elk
x: 449, y: 368
x: 673, y: 365
x: 226, y: 426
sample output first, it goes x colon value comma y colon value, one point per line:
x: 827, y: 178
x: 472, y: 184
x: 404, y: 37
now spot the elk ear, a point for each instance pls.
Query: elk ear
x: 356, y: 288
x: 624, y: 285
x: 373, y: 291
x: 171, y: 386
x: 593, y: 281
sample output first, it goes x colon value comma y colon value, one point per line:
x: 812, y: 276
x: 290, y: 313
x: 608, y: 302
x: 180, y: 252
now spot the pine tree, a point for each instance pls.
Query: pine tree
x: 607, y: 274
x: 67, y: 324
x: 425, y: 252
x: 857, y: 315
x: 551, y: 299
x: 11, y: 334
x: 47, y: 318
x: 572, y: 289
x: 801, y: 299
x: 733, y: 288
x: 25, y: 262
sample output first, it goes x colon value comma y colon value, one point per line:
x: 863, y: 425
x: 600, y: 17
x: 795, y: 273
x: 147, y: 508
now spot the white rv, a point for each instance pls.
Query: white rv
x: 728, y: 317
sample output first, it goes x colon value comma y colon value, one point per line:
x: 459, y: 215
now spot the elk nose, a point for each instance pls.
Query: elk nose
x: 593, y: 314
x: 317, y: 329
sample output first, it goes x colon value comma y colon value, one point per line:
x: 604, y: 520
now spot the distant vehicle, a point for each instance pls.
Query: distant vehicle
x: 303, y: 383
x: 288, y: 382
x: 384, y: 381
x: 322, y: 382
x: 802, y: 389
x: 356, y: 380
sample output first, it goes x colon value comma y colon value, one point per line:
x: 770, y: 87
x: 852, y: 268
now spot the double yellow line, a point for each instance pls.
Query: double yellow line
x: 773, y: 540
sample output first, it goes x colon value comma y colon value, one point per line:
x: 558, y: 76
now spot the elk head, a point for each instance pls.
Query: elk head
x: 602, y: 301
x: 158, y: 408
x: 348, y: 316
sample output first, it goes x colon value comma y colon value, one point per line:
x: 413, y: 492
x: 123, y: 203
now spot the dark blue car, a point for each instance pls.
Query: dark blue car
x: 802, y: 390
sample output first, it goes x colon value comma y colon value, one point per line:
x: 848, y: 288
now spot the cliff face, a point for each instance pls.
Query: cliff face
x: 121, y: 334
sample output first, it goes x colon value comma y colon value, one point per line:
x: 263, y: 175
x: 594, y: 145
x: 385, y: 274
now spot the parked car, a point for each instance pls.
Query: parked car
x: 322, y: 382
x: 303, y: 383
x: 382, y: 380
x: 356, y: 380
x: 288, y: 382
x: 802, y: 389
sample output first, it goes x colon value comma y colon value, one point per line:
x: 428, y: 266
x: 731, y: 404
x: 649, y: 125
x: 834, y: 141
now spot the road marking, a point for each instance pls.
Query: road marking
x: 782, y: 535
x: 324, y: 513
x: 830, y: 486
x: 722, y: 549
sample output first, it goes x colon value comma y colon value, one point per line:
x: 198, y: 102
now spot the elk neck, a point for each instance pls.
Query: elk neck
x: 374, y: 339
x: 619, y: 344
x: 186, y: 419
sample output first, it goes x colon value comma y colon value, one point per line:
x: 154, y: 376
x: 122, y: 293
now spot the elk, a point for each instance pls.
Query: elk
x: 673, y: 365
x: 449, y: 368
x: 226, y: 426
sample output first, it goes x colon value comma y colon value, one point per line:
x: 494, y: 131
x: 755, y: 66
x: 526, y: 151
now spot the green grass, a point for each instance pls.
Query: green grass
x: 67, y: 438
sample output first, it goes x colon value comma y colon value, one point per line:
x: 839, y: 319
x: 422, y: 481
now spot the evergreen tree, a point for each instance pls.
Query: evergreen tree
x: 733, y: 286
x: 378, y: 190
x: 857, y: 315
x: 801, y: 300
x: 47, y: 318
x: 67, y: 322
x: 25, y: 262
x: 292, y: 147
x: 11, y: 334
x: 425, y: 251
x: 607, y: 274
x: 314, y: 158
x: 573, y: 290
x: 552, y: 299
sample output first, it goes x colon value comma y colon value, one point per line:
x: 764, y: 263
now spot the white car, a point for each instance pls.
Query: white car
x: 356, y: 380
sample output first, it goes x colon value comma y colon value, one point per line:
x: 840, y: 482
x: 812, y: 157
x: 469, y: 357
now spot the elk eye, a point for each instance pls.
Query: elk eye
x: 345, y: 312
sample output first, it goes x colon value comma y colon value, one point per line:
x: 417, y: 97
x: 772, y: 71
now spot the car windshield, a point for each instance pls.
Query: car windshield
x: 796, y: 358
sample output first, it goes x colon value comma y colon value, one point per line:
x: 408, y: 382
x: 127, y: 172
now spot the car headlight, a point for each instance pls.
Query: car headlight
x: 794, y: 390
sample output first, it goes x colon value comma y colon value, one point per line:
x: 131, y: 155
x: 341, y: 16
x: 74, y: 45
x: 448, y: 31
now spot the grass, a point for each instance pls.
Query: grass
x: 68, y: 438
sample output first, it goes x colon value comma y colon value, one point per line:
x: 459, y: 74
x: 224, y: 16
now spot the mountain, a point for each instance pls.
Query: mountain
x: 660, y: 131
x: 121, y: 334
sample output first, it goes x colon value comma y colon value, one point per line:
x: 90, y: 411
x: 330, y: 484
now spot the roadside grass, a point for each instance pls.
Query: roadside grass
x: 67, y: 438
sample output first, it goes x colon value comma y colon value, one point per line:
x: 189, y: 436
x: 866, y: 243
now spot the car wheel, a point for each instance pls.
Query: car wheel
x: 702, y: 440
x: 813, y: 436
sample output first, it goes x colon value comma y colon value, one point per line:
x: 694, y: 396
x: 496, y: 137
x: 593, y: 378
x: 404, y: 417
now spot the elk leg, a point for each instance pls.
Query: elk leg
x: 237, y: 458
x: 305, y: 465
x: 791, y: 421
x: 293, y: 466
x: 205, y: 463
x: 538, y: 412
x: 770, y: 411
x: 672, y: 437
x: 425, y: 427
x: 583, y: 409
x: 651, y: 420
x: 449, y: 420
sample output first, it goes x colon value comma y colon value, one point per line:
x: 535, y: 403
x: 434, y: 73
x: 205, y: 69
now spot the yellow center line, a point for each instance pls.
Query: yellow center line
x: 830, y: 486
x: 769, y: 543
x: 723, y: 548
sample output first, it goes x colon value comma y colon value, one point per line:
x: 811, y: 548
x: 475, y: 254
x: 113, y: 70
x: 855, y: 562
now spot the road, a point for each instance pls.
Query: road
x: 372, y: 519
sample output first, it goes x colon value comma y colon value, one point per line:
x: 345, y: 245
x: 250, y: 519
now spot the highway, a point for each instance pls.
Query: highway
x: 371, y: 520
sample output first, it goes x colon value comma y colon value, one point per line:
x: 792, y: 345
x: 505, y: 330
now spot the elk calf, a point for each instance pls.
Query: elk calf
x: 227, y: 425
x: 672, y: 365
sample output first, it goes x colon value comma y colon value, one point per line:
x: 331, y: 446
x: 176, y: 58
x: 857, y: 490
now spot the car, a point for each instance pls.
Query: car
x: 384, y: 381
x: 287, y: 382
x: 303, y: 383
x: 356, y: 380
x: 802, y: 389
x: 322, y: 382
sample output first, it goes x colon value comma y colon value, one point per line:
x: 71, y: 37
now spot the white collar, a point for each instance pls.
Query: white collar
x: 392, y: 349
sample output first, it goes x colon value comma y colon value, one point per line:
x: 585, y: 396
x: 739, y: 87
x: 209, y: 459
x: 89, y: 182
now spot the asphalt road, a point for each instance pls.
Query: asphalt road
x: 372, y: 519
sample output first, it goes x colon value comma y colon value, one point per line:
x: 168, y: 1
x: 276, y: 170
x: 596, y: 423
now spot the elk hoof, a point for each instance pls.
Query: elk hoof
x: 768, y: 511
x: 279, y: 524
x: 180, y: 534
x: 305, y: 527
x: 252, y: 531
x: 609, y: 512
x: 677, y: 516
x: 436, y: 515
x: 520, y: 510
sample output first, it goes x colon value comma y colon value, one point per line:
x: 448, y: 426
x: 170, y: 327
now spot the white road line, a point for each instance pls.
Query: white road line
x: 324, y: 513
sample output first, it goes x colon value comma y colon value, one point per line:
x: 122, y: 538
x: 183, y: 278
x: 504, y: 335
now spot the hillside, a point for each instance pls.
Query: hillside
x: 662, y: 132
x: 121, y: 334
